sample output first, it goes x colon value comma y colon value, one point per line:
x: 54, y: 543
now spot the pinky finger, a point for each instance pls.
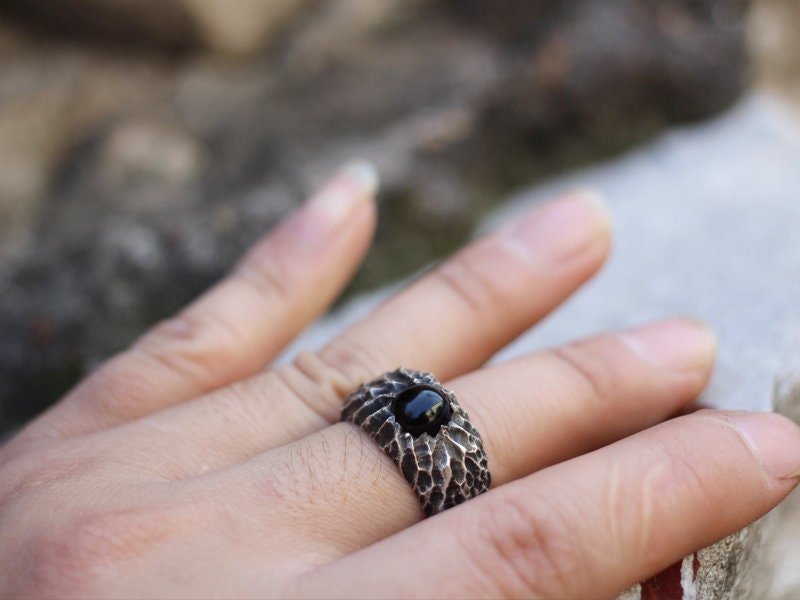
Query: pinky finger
x: 592, y: 526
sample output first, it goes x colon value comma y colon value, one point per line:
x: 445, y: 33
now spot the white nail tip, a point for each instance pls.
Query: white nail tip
x: 593, y: 198
x: 362, y: 173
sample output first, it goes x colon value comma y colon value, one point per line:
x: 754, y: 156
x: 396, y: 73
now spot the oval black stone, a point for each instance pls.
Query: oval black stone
x: 421, y: 409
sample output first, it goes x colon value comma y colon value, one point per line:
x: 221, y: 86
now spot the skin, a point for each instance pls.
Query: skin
x: 184, y: 467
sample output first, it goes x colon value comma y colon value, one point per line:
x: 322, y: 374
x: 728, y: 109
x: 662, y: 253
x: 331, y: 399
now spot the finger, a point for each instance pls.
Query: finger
x: 555, y: 405
x: 592, y: 526
x: 235, y: 328
x: 601, y: 389
x: 531, y: 413
x: 432, y: 324
x: 456, y: 318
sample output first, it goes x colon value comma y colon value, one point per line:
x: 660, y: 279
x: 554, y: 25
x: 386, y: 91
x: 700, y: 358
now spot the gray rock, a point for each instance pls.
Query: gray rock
x: 143, y: 180
x: 775, y: 46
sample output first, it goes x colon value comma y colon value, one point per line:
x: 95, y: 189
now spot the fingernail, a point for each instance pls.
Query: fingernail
x: 678, y: 344
x: 363, y: 174
x: 352, y: 184
x: 559, y: 230
x: 774, y: 440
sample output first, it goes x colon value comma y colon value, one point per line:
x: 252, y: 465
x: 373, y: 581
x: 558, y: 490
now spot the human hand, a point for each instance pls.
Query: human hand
x: 180, y: 468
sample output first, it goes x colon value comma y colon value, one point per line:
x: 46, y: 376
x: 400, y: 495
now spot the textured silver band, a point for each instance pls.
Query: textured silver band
x: 444, y: 469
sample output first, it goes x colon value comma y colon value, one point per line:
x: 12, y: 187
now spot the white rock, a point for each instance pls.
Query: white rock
x: 707, y: 224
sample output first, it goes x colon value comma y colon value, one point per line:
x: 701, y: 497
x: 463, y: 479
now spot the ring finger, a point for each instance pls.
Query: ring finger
x: 599, y: 390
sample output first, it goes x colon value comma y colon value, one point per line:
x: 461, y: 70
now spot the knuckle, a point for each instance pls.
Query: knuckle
x: 73, y: 557
x: 665, y: 470
x: 108, y: 539
x: 74, y: 545
x: 194, y: 342
x: 38, y: 472
x: 634, y: 502
x: 189, y: 344
x: 352, y: 361
x: 117, y: 388
x: 88, y: 553
x: 598, y: 378
x: 525, y: 550
x: 322, y: 379
x: 315, y: 387
x: 471, y: 284
x: 267, y: 278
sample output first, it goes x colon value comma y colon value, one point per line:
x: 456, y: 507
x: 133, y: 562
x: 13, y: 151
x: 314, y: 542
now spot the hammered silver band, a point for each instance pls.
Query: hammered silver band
x: 444, y: 467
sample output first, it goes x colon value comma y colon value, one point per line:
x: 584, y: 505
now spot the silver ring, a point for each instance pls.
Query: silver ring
x: 424, y: 430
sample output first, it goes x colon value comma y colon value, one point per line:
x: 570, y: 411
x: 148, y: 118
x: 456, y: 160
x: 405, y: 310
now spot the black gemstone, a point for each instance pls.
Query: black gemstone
x: 421, y: 409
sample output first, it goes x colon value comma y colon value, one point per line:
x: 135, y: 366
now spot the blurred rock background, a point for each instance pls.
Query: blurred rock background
x: 144, y: 144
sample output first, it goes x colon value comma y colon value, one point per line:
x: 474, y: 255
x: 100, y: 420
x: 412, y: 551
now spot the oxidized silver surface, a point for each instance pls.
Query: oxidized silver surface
x: 445, y: 469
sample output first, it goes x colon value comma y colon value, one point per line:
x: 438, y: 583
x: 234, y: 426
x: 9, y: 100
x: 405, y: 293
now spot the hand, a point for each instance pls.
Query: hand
x: 180, y: 468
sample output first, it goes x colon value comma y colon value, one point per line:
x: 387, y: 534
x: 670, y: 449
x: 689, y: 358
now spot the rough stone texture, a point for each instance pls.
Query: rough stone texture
x: 161, y: 24
x: 706, y: 226
x: 244, y: 30
x: 181, y: 26
x: 774, y: 568
x: 775, y: 45
x: 132, y: 179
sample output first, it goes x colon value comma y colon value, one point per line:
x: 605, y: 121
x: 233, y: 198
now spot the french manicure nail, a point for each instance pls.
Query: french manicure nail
x: 353, y: 185
x: 678, y: 344
x: 774, y: 440
x: 363, y: 174
x: 559, y: 230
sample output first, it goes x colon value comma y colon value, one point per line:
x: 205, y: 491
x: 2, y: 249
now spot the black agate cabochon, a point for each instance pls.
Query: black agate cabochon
x: 421, y: 409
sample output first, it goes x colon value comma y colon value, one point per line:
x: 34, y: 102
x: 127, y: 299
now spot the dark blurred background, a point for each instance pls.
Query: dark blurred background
x: 144, y: 144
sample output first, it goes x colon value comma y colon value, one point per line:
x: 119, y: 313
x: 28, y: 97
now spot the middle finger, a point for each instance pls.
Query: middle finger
x: 449, y: 322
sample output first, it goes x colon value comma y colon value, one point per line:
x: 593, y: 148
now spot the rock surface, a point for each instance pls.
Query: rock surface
x: 706, y: 226
x: 133, y: 177
x: 772, y: 33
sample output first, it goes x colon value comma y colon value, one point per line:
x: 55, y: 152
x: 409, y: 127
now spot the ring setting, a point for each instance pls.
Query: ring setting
x: 426, y: 432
